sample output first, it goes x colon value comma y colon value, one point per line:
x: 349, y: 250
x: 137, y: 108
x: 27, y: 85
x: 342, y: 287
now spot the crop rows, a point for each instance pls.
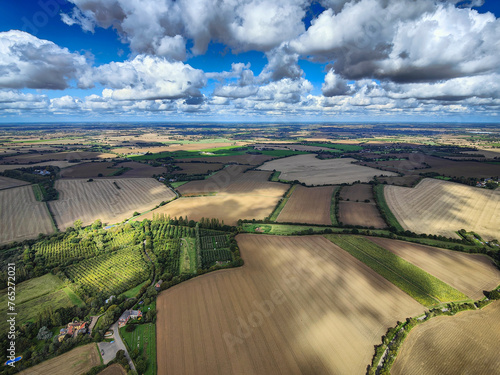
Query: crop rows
x: 61, y: 252
x: 209, y: 257
x: 423, y: 287
x: 163, y: 230
x: 122, y: 240
x: 109, y: 273
x: 168, y: 252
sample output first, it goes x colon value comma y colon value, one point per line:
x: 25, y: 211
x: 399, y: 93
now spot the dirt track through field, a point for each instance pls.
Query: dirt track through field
x: 442, y: 207
x: 21, y: 216
x: 308, y: 205
x: 469, y: 273
x: 300, y: 305
x: 463, y: 344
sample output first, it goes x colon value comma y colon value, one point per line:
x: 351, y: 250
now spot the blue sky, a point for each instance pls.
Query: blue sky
x: 329, y: 60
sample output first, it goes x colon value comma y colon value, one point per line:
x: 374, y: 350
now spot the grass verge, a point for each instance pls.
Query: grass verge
x: 282, y: 203
x: 387, y: 214
x: 143, y: 338
x: 420, y: 285
x: 333, y: 206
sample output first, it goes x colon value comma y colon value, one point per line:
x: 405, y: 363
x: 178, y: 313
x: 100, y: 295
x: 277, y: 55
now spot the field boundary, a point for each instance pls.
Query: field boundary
x: 334, y: 206
x: 51, y: 215
x: 385, y: 211
x: 281, y: 204
x: 386, y: 353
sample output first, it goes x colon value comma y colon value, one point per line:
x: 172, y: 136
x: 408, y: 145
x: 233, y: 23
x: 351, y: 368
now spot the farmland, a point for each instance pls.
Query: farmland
x: 143, y: 337
x: 77, y: 361
x: 88, y: 170
x: 312, y: 171
x: 298, y: 332
x: 6, y: 182
x: 33, y: 296
x: 228, y: 207
x: 468, y: 273
x: 308, y: 205
x: 463, y: 344
x: 115, y: 369
x: 425, y: 288
x: 73, y: 155
x: 442, y: 207
x: 110, y: 200
x: 357, y: 207
x: 21, y: 216
x: 109, y: 273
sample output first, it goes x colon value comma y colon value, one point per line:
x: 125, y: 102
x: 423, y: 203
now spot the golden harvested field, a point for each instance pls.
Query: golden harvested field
x: 6, y: 182
x: 115, y: 369
x: 22, y: 216
x: 442, y: 207
x: 302, y: 305
x: 229, y: 208
x: 75, y: 362
x: 363, y: 214
x: 198, y: 168
x: 469, y: 273
x: 36, y: 158
x: 233, y: 180
x: 308, y: 205
x: 466, y: 343
x: 101, y: 199
x: 312, y: 171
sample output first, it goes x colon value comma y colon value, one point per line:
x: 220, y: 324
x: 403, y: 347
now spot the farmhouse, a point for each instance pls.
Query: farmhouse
x: 72, y: 329
x: 158, y: 285
x: 127, y: 315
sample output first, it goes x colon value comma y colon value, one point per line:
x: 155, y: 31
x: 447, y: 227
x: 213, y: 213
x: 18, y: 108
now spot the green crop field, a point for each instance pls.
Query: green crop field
x: 144, y: 339
x: 423, y: 287
x: 35, y: 295
x: 336, y: 146
x: 384, y: 208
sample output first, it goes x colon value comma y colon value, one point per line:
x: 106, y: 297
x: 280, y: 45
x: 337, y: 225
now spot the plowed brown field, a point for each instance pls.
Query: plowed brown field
x: 102, y: 199
x: 363, y: 214
x: 299, y: 305
x: 469, y: 273
x: 21, y: 216
x: 463, y: 344
x: 308, y: 205
x: 7, y: 183
x: 442, y: 207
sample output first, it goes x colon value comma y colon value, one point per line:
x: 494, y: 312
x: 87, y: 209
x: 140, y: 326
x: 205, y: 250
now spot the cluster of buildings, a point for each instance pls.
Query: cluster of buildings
x: 72, y: 330
x: 127, y: 315
x: 486, y: 181
x: 42, y: 172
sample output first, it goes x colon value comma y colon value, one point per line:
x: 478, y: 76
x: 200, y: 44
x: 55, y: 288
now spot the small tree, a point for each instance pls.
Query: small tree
x: 44, y: 334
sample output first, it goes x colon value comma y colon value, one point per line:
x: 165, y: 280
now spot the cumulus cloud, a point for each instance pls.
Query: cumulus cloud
x: 149, y: 77
x: 29, y: 62
x: 334, y: 85
x: 156, y: 27
x: 77, y: 17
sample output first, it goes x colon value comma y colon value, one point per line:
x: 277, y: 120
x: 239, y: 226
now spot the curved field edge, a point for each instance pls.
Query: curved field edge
x: 384, y: 209
x: 420, y: 285
x: 465, y: 348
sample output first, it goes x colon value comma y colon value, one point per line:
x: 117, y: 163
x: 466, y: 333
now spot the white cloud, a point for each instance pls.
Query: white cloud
x: 36, y: 63
x: 148, y: 77
x: 240, y: 24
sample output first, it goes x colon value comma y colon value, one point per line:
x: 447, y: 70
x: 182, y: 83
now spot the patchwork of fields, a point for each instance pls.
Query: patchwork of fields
x: 312, y: 171
x: 463, y: 344
x: 442, y: 207
x: 277, y: 320
x: 22, y: 216
x: 111, y: 200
